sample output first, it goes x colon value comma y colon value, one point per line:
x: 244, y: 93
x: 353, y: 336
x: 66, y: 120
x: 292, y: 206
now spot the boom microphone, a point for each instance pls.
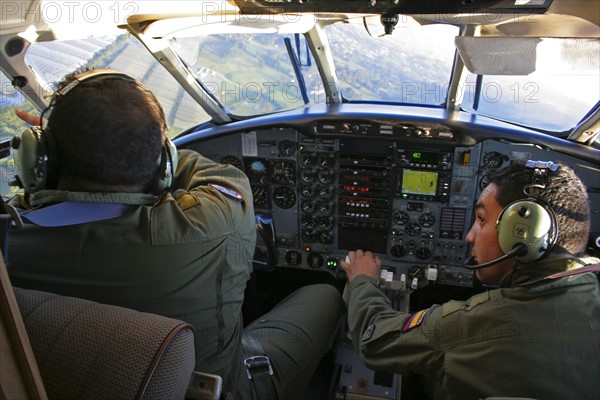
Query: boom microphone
x: 518, y: 251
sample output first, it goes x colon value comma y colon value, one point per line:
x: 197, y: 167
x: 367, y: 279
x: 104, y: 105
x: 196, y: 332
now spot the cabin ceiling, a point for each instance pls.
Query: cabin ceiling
x: 394, y: 6
x: 533, y: 18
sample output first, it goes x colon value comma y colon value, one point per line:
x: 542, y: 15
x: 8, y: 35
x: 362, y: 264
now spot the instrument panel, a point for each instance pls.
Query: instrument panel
x: 412, y: 204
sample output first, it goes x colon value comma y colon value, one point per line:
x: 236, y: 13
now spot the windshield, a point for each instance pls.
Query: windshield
x: 252, y: 74
x: 412, y: 65
x: 256, y: 73
x: 53, y: 60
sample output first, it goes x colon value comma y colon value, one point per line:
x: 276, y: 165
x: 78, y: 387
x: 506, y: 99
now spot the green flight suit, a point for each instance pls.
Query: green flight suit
x: 538, y: 340
x: 185, y: 255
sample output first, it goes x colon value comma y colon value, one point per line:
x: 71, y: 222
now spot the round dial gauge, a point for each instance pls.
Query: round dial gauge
x: 283, y: 172
x: 325, y: 207
x: 286, y: 148
x: 423, y: 253
x: 308, y: 207
x: 232, y: 160
x: 307, y: 236
x: 326, y: 193
x: 412, y: 229
x: 327, y: 160
x: 325, y: 223
x: 484, y: 182
x: 307, y: 222
x: 315, y: 260
x: 493, y: 160
x: 308, y: 159
x: 326, y: 177
x: 293, y: 258
x: 426, y: 220
x: 261, y: 197
x: 308, y: 176
x: 325, y: 237
x: 397, y: 251
x: 400, y: 217
x: 308, y: 192
x: 284, y: 197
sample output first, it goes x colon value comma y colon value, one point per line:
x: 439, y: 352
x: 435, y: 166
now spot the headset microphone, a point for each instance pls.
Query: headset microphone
x: 520, y: 250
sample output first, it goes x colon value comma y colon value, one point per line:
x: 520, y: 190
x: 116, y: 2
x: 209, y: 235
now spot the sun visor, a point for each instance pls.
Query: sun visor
x: 522, y: 56
x: 498, y: 55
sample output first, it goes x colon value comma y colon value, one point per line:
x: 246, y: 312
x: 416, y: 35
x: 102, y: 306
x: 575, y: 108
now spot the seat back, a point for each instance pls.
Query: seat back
x: 89, y: 350
x: 19, y: 374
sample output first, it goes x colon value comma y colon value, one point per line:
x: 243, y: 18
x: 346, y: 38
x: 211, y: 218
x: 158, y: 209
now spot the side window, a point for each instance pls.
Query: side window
x: 10, y: 125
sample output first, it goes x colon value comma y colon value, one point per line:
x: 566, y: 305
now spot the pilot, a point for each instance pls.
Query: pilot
x: 536, y: 334
x: 115, y: 214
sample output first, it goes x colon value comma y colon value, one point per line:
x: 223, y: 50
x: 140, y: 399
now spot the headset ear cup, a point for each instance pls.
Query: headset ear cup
x: 31, y: 160
x: 526, y: 222
x: 167, y: 167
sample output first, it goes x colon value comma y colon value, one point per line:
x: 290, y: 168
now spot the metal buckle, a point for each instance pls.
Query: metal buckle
x: 258, y: 362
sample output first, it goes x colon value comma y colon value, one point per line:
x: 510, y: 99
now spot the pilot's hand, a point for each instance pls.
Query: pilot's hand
x: 30, y: 119
x: 361, y: 263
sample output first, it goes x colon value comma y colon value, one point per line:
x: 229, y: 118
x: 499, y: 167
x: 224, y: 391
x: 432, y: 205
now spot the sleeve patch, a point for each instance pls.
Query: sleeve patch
x: 228, y: 192
x: 415, y: 320
x: 368, y: 333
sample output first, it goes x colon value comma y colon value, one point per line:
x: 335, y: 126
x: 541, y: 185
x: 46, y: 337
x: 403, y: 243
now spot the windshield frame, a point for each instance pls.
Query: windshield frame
x: 321, y: 52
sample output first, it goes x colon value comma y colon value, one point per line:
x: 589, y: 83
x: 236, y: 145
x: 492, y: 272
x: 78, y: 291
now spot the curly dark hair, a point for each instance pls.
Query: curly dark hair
x: 107, y: 129
x: 565, y: 194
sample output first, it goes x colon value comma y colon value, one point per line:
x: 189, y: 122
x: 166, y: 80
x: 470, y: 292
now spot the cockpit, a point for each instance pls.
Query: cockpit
x: 359, y: 124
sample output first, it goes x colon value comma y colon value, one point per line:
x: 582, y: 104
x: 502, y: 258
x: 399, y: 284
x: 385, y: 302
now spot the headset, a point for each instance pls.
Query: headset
x: 31, y: 150
x: 527, y: 228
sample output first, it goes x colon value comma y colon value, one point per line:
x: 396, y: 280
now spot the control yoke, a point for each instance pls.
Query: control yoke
x: 266, y: 229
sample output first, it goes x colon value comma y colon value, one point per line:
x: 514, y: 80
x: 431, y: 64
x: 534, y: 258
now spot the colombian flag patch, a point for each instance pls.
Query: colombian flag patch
x: 415, y: 320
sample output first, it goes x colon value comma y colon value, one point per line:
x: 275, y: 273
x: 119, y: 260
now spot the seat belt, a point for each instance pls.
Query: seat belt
x: 258, y: 366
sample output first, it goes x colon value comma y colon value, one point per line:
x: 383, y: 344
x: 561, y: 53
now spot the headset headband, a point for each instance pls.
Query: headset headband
x: 539, y: 177
x: 80, y: 78
x: 89, y: 74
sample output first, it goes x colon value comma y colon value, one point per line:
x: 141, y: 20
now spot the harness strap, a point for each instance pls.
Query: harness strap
x: 258, y: 366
